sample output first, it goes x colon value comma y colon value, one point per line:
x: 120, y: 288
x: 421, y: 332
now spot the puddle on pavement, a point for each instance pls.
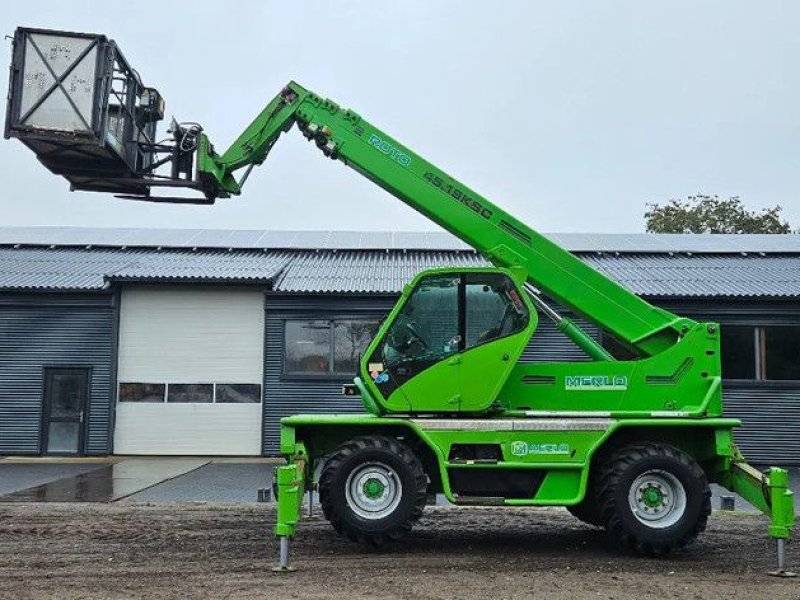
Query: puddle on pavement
x: 107, y: 483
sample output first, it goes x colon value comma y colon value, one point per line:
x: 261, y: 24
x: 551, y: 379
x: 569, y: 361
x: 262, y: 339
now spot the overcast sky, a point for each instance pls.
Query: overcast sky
x: 570, y: 115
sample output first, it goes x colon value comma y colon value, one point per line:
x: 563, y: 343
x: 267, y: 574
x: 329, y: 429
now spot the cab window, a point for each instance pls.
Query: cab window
x: 427, y: 327
x: 493, y: 308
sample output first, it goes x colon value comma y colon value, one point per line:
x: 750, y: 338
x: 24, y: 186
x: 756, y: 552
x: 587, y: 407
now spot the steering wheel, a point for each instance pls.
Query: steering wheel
x: 418, y: 337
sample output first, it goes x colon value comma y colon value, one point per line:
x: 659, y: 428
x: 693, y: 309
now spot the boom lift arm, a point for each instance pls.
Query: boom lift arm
x: 342, y: 134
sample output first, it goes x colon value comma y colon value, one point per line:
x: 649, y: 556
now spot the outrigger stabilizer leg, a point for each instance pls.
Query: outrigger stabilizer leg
x: 781, y: 570
x: 290, y: 481
x: 283, y: 564
x: 782, y: 501
x: 769, y: 493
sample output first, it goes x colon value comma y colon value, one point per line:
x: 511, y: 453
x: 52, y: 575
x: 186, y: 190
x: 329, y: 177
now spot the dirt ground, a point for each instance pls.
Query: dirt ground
x: 158, y: 551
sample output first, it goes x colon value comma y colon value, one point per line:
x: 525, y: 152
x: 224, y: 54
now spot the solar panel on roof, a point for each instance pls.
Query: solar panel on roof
x: 245, y: 238
x: 434, y: 240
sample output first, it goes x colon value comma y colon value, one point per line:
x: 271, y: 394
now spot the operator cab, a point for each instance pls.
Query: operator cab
x: 451, y: 342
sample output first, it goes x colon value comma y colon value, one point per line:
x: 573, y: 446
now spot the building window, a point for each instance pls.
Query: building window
x: 755, y: 353
x: 238, y: 393
x: 738, y: 347
x: 190, y: 392
x: 781, y: 358
x: 766, y: 353
x: 350, y: 339
x: 307, y: 346
x: 184, y: 393
x: 325, y: 347
x: 142, y: 392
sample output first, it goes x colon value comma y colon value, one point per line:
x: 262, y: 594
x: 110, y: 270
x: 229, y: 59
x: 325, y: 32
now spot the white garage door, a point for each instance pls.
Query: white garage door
x: 190, y: 371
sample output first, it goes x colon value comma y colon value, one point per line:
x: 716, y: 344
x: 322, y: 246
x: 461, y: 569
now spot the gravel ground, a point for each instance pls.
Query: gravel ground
x: 192, y: 550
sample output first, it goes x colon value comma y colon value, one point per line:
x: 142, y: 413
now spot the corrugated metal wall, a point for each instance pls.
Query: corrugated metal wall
x: 37, y: 331
x: 288, y: 396
x: 769, y: 410
x: 284, y: 396
x: 550, y: 345
x: 770, y: 414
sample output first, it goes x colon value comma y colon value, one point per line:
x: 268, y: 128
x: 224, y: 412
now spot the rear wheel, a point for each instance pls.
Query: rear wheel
x: 372, y: 489
x: 653, y: 498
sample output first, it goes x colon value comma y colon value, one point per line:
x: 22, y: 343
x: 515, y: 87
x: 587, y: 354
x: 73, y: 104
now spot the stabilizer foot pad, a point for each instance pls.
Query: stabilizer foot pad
x: 782, y: 573
x: 283, y: 569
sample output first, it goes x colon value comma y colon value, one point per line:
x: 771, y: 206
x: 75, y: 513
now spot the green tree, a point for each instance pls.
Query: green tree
x: 710, y: 214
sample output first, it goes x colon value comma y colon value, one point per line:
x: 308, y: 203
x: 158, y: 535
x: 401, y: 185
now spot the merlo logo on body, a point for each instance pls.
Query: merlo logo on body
x: 595, y: 383
x: 520, y: 448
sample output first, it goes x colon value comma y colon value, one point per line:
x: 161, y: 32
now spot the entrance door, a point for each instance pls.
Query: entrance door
x: 65, y: 395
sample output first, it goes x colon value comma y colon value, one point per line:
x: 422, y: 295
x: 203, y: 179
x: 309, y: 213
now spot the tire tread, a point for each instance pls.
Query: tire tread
x: 609, y: 479
x: 334, y: 463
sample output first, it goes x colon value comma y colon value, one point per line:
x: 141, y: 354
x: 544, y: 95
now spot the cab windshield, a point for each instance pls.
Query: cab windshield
x: 427, y: 327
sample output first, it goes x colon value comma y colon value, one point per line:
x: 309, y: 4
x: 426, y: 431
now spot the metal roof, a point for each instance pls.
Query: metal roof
x: 365, y: 271
x: 665, y: 243
x: 652, y: 275
x: 92, y: 269
x: 716, y: 275
x: 52, y: 264
x: 642, y: 243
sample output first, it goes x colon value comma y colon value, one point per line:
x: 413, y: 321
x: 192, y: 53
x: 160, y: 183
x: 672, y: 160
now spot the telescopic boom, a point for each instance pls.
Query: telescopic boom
x: 342, y: 134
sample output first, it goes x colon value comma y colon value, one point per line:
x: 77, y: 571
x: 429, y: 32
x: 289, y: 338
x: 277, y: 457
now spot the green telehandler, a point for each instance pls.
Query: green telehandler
x: 627, y: 445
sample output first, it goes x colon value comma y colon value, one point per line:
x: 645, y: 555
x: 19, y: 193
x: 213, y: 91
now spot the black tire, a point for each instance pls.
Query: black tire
x: 587, y: 510
x: 398, y: 473
x: 670, y: 494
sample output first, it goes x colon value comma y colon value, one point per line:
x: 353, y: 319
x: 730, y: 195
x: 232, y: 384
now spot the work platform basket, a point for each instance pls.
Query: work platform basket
x: 75, y: 102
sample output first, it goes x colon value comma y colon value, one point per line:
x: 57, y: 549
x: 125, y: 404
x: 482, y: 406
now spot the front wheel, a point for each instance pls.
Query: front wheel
x: 653, y: 498
x: 372, y: 489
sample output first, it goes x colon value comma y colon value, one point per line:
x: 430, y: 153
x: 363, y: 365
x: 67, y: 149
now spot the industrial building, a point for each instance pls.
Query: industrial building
x: 197, y: 342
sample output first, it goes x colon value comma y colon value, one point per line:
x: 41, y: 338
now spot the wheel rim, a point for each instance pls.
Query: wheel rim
x: 657, y: 499
x: 373, y: 490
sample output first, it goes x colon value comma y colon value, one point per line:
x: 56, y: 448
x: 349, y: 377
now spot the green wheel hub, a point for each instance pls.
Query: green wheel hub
x: 653, y: 497
x: 373, y: 488
x: 657, y: 499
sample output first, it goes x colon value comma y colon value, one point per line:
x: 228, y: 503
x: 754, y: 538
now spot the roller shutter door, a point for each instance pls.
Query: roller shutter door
x: 190, y: 371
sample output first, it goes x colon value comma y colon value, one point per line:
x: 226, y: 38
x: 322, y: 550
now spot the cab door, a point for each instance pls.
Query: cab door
x: 497, y: 326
